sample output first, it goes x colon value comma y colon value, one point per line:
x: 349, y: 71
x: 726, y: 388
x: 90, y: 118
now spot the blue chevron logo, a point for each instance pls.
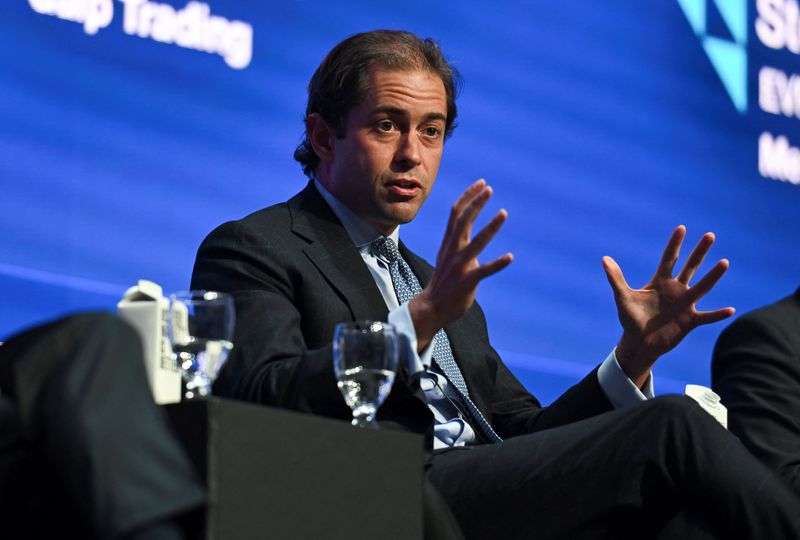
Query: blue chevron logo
x: 727, y: 56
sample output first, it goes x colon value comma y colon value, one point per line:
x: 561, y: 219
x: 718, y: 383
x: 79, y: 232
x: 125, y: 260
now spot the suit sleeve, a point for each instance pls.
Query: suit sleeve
x: 756, y: 371
x: 271, y: 362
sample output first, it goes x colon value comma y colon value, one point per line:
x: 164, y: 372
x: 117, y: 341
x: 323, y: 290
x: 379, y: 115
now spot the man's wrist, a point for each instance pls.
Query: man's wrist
x: 634, y: 359
x: 416, y: 360
x: 423, y: 316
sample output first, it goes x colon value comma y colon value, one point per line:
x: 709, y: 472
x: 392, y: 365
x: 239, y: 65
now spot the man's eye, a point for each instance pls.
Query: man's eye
x: 432, y: 131
x: 385, y: 125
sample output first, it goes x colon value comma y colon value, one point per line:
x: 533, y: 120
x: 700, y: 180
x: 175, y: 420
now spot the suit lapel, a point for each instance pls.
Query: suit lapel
x: 331, y: 250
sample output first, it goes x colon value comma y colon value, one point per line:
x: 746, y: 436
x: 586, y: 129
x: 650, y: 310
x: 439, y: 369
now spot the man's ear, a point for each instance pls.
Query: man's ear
x: 321, y: 136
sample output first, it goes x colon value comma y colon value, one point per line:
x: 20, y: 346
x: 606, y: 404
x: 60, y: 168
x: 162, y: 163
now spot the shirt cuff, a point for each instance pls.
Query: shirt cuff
x: 400, y: 318
x: 618, y: 388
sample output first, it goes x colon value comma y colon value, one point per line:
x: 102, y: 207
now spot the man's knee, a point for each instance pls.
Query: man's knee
x: 674, y: 406
x: 680, y: 413
x: 674, y: 403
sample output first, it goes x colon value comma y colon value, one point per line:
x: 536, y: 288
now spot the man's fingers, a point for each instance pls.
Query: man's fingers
x: 696, y: 258
x: 463, y: 224
x: 710, y: 317
x: 458, y: 207
x: 482, y: 239
x: 469, y: 193
x: 671, y: 252
x: 490, y: 268
x: 614, y: 275
x: 708, y: 281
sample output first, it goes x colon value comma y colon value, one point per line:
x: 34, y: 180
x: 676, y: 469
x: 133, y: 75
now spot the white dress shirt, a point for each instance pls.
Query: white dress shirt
x: 450, y: 428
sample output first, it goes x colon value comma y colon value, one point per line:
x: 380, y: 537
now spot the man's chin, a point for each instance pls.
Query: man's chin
x: 388, y: 221
x: 401, y: 216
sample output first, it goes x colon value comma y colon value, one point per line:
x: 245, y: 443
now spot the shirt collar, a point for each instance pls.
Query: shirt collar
x: 361, y: 233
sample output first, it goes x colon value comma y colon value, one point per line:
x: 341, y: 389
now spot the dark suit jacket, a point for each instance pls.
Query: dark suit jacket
x: 756, y: 371
x: 295, y: 273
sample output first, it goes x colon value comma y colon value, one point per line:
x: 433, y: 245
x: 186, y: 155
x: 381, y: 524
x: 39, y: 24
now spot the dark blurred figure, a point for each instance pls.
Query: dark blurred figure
x: 84, y: 450
x: 756, y: 371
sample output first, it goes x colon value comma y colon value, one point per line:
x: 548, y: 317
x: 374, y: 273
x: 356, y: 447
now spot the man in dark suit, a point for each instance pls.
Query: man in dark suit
x: 756, y: 371
x: 589, y: 465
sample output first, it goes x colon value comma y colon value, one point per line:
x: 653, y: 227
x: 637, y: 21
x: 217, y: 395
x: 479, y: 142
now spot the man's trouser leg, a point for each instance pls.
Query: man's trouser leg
x: 623, y: 474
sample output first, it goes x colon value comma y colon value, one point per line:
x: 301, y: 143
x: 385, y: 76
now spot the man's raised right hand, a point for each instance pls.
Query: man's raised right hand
x: 452, y: 288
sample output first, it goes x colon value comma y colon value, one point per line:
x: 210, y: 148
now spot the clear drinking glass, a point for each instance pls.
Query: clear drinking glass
x: 365, y: 361
x: 200, y: 329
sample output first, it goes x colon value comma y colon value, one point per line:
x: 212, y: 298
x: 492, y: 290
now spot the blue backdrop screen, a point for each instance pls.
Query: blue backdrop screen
x: 131, y: 128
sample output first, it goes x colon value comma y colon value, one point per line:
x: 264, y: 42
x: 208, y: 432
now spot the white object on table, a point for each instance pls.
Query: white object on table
x: 145, y: 308
x: 709, y: 401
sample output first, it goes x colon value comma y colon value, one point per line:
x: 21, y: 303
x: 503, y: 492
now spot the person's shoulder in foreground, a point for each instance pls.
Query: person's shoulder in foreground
x: 756, y: 371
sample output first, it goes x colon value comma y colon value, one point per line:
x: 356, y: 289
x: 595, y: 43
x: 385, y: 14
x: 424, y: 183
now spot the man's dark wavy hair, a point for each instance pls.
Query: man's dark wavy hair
x: 340, y: 82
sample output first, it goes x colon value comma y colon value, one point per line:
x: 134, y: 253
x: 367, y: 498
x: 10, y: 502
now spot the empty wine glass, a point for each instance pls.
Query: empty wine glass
x: 364, y: 361
x: 200, y: 329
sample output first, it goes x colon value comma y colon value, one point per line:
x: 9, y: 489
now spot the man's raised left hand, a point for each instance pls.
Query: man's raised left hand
x: 658, y: 316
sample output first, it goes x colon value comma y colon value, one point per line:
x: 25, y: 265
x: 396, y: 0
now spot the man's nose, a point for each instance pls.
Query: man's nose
x: 409, y: 150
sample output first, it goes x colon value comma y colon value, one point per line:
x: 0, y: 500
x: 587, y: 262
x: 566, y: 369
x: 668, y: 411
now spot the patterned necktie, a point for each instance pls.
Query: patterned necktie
x: 406, y: 286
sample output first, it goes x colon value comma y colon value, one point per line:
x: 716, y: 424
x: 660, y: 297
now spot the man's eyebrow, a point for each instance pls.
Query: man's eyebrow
x: 399, y: 111
x: 436, y: 116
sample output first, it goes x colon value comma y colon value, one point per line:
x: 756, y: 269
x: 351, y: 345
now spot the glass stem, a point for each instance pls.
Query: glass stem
x: 198, y: 387
x: 364, y: 417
